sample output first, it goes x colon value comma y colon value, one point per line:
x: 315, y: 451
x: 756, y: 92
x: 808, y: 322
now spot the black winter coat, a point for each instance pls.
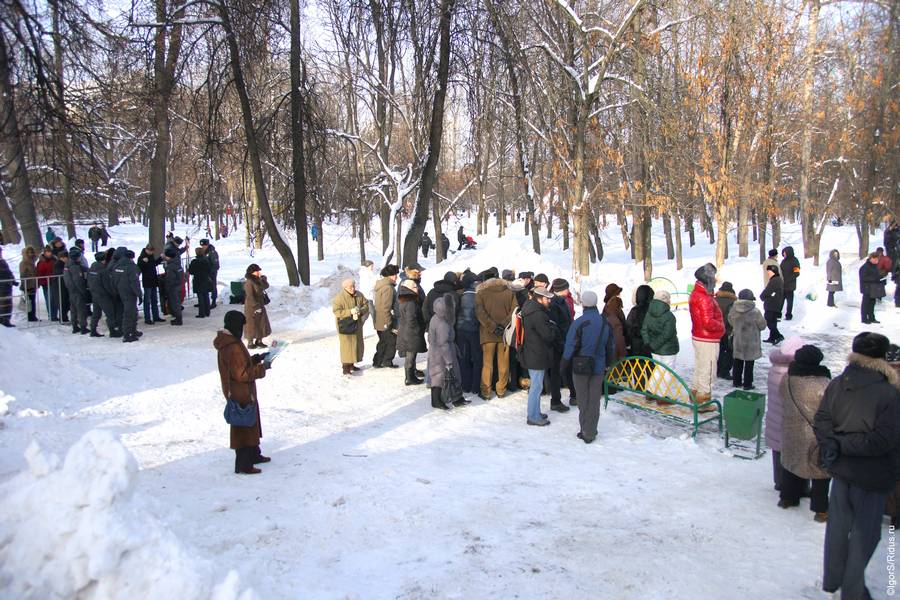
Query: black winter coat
x: 200, y: 269
x: 790, y: 269
x: 635, y: 321
x: 410, y: 325
x: 861, y: 411
x: 559, y: 314
x: 537, y: 350
x: 440, y: 288
x: 147, y: 264
x: 773, y: 296
x: 870, y: 281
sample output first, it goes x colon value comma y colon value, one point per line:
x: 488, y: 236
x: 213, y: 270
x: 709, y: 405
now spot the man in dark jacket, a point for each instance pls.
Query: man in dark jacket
x: 94, y: 236
x: 773, y: 300
x: 467, y: 336
x: 147, y: 262
x: 426, y: 244
x: 448, y: 285
x: 461, y: 238
x: 74, y: 278
x: 385, y: 316
x: 537, y: 353
x: 790, y: 271
x: 7, y: 282
x: 725, y: 298
x: 200, y: 270
x: 103, y: 302
x: 858, y: 430
x: 562, y: 319
x: 172, y: 280
x: 871, y: 286
x: 59, y: 293
x: 212, y: 255
x: 125, y: 276
x: 445, y: 244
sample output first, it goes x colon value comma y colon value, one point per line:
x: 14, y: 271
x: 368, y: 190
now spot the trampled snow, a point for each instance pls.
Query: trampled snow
x: 371, y: 493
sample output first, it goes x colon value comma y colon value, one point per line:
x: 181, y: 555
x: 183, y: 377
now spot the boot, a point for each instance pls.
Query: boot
x: 243, y: 461
x: 700, y: 399
x: 95, y: 333
x: 115, y: 334
x: 85, y: 331
x: 420, y: 373
x: 175, y: 322
x: 411, y: 378
x: 436, y: 401
x: 129, y: 338
x: 346, y: 368
x: 821, y: 517
x: 76, y: 329
x: 258, y: 457
x: 148, y: 321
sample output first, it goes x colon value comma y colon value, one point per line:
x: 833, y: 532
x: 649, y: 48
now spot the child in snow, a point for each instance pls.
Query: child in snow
x: 747, y: 324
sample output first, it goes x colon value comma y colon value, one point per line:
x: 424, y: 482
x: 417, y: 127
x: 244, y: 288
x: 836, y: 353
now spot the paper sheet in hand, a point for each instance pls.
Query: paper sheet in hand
x: 275, y: 348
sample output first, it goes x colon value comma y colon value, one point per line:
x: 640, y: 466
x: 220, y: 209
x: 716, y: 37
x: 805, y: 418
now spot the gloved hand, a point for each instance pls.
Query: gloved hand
x: 258, y: 311
x: 829, y: 452
x: 564, y: 365
x: 258, y: 358
x: 498, y: 330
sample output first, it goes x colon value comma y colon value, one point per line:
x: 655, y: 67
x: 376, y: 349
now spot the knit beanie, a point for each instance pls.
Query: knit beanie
x: 746, y: 295
x: 808, y: 355
x: 664, y: 297
x: 234, y: 323
x: 589, y: 299
x: 773, y: 252
x: 726, y: 287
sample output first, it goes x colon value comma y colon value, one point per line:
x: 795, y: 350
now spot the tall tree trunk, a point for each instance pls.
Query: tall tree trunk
x: 807, y: 219
x: 298, y: 148
x: 253, y: 148
x: 667, y: 230
x: 761, y: 222
x: 13, y: 171
x: 679, y: 262
x: 436, y: 130
x: 9, y: 230
x: 63, y: 154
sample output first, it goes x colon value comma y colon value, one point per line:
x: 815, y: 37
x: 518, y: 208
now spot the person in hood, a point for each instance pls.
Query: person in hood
x: 634, y: 322
x: 707, y: 329
x: 442, y: 359
x: 771, y: 260
x: 660, y: 333
x: 350, y: 304
x: 410, y: 329
x: 773, y: 301
x: 49, y: 235
x: 445, y: 244
x: 834, y: 275
x: 102, y: 301
x: 612, y: 311
x: 589, y: 335
x: 802, y: 390
x: 448, y: 285
x: 238, y: 372
x: 746, y: 324
x: 173, y: 278
x: 467, y: 340
x: 871, y: 286
x: 858, y: 430
x: 725, y: 298
x: 494, y: 305
x: 790, y: 271
x: 126, y: 277
x: 537, y: 353
x: 147, y: 263
x: 212, y: 256
x: 385, y: 315
x: 75, y: 280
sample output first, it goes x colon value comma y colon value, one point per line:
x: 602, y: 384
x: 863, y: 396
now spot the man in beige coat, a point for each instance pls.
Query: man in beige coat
x: 350, y: 310
x: 494, y: 304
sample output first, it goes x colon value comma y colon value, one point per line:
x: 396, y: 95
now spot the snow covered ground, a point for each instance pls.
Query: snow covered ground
x: 371, y: 493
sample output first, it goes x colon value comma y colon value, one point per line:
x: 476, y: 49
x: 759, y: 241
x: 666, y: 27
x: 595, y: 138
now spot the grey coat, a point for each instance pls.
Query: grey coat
x: 174, y: 274
x: 128, y: 280
x: 442, y: 341
x: 74, y: 278
x: 747, y: 323
x: 801, y: 397
x: 834, y: 273
x: 410, y: 325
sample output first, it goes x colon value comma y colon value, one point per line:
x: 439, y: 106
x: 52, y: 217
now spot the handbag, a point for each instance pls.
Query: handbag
x: 451, y: 391
x: 266, y: 299
x: 585, y: 365
x: 348, y: 325
x: 240, y: 416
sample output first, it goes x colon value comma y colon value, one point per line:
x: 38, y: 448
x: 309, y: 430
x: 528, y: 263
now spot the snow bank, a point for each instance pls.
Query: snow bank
x: 77, y: 530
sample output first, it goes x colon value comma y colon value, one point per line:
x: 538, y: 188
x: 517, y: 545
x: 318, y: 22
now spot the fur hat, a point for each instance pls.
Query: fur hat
x: 410, y: 284
x: 589, y: 299
x: 234, y: 322
x: 508, y: 274
x: 746, y: 295
x: 542, y: 278
x: 726, y: 287
x: 808, y: 355
x: 390, y: 270
x: 612, y: 290
x: 871, y: 344
x: 559, y: 284
x: 252, y: 268
x: 451, y: 278
x: 526, y: 275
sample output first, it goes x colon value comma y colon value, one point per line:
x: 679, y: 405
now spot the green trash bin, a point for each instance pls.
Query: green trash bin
x: 743, y: 413
x: 237, y: 292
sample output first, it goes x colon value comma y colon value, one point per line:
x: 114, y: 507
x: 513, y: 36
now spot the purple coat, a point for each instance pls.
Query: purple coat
x: 780, y: 358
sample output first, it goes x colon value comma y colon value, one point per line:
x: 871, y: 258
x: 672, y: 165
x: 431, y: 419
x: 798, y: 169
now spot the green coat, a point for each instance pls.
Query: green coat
x: 659, y: 330
x: 352, y: 345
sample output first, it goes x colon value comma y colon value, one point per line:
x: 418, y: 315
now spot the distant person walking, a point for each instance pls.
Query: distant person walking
x: 790, y: 271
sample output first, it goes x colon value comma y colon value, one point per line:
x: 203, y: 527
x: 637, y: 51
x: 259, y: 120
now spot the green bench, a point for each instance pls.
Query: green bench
x: 644, y: 384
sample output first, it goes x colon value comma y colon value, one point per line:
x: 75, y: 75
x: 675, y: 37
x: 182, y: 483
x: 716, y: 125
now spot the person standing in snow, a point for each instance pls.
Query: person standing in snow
x: 725, y: 298
x: 746, y: 324
x: 615, y: 316
x: 537, y: 352
x: 661, y: 334
x: 126, y: 277
x: 707, y: 330
x: 410, y: 329
x: 871, y: 286
x: 212, y: 255
x: 834, y: 275
x: 559, y: 314
x: 147, y: 262
x: 425, y: 244
x: 448, y: 285
x: 199, y: 268
x: 367, y: 280
x: 75, y: 280
x: 350, y: 310
x: 255, y: 299
x: 102, y: 302
x: 28, y: 280
x: 385, y: 316
x: 802, y: 390
x: 772, y: 260
x: 45, y: 272
x: 467, y: 336
x: 172, y: 282
x: 773, y: 301
x: 442, y: 359
x: 238, y: 372
x: 494, y: 305
x: 461, y: 238
x: 59, y: 294
x: 781, y: 358
x: 790, y: 271
x: 858, y: 430
x: 589, y: 335
x: 7, y: 282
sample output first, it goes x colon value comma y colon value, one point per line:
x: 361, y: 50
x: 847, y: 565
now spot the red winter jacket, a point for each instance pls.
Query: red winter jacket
x: 570, y: 301
x: 44, y: 270
x: 706, y: 317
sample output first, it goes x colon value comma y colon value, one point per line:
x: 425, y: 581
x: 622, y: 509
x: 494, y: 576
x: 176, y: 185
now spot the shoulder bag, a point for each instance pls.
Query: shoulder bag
x: 348, y: 325
x: 585, y: 365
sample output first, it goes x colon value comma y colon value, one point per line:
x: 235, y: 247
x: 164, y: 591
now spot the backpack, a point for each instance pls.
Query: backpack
x: 514, y: 333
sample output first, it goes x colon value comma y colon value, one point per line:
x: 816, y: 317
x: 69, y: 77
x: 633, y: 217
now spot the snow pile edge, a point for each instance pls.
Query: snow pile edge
x: 78, y: 530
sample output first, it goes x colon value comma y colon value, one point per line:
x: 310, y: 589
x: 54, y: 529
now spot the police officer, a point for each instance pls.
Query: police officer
x: 76, y: 283
x: 127, y: 280
x: 102, y: 301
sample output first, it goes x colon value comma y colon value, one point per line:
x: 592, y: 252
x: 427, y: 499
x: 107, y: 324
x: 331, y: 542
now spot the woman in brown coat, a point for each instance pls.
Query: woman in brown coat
x: 801, y: 392
x: 28, y: 277
x: 350, y: 304
x: 612, y: 310
x: 255, y: 284
x: 239, y: 372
